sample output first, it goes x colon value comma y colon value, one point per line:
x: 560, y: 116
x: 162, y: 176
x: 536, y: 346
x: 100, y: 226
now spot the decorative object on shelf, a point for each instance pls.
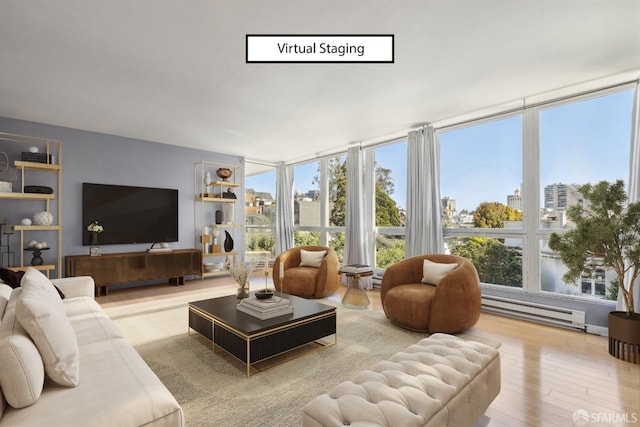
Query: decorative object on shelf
x: 207, y: 182
x: 37, y: 255
x: 26, y: 156
x: 242, y: 275
x: 228, y: 213
x: 43, y: 218
x: 38, y: 189
x: 229, y: 194
x: 228, y: 242
x: 218, y: 217
x: 213, y: 266
x: 205, y: 238
x: 94, y: 228
x: 34, y: 149
x: 6, y: 183
x: 25, y: 221
x: 224, y: 173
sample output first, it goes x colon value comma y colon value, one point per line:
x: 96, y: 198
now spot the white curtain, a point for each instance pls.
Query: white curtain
x: 284, y: 208
x: 634, y: 184
x: 423, y: 223
x: 358, y: 229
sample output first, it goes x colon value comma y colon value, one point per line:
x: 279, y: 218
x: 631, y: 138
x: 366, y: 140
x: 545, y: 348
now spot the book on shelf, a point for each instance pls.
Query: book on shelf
x: 356, y: 268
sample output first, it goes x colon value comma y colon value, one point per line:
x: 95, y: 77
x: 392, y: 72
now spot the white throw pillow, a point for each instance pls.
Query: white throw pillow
x: 41, y: 312
x: 311, y: 258
x: 22, y: 372
x: 433, y: 272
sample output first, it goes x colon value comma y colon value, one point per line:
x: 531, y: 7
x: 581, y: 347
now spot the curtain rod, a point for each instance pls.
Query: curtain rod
x: 524, y: 105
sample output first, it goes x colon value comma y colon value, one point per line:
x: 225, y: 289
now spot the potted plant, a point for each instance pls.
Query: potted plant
x: 606, y: 233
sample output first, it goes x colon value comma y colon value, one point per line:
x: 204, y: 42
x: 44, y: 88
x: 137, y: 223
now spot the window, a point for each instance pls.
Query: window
x: 584, y: 141
x: 260, y: 213
x: 482, y: 201
x: 390, y: 187
x: 503, y: 194
x: 481, y: 175
x: 306, y: 195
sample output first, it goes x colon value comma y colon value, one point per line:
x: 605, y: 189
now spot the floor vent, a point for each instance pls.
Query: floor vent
x: 535, y: 312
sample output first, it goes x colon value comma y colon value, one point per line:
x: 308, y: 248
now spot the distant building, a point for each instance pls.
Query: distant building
x: 448, y: 208
x: 561, y: 196
x: 514, y: 201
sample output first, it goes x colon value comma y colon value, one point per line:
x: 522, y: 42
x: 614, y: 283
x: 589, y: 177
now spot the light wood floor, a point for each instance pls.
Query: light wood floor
x: 548, y: 373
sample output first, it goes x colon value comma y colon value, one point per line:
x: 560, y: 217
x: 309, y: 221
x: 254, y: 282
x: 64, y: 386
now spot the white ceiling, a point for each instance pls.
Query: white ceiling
x: 174, y: 71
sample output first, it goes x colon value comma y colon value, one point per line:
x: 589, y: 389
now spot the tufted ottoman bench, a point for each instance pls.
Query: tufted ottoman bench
x: 442, y: 380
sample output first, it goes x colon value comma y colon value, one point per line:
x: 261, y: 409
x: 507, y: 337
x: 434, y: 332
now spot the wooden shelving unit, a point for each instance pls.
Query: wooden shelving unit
x: 49, y: 147
x: 208, y: 199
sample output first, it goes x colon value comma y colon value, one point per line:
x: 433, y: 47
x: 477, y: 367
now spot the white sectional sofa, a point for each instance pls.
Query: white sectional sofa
x: 47, y: 381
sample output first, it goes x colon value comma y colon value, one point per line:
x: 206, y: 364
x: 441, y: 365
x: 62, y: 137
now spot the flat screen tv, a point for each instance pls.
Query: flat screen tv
x: 130, y: 214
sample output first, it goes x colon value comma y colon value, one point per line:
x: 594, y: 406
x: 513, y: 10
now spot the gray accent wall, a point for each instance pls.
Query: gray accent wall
x: 109, y: 159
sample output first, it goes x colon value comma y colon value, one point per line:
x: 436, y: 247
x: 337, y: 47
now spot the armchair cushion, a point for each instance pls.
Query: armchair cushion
x: 311, y: 258
x: 433, y: 272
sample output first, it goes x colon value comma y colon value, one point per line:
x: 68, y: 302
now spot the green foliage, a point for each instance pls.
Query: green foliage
x: 384, y: 180
x: 306, y: 238
x: 494, y: 261
x: 612, y: 290
x: 337, y: 244
x: 606, y: 231
x: 389, y: 251
x: 337, y: 191
x: 492, y: 215
x: 261, y: 242
x: 387, y: 214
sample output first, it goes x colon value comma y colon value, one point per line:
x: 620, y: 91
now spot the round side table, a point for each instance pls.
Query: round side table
x: 356, y: 297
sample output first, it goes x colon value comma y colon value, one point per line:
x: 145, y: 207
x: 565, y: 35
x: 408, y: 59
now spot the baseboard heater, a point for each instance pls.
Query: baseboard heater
x: 547, y: 314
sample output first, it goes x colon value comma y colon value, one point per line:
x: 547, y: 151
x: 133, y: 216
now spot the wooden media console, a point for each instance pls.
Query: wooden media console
x: 128, y: 267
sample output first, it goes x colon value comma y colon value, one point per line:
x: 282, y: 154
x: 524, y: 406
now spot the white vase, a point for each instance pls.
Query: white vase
x: 228, y: 213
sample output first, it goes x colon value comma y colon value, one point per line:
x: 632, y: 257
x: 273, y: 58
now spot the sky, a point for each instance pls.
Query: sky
x: 580, y: 142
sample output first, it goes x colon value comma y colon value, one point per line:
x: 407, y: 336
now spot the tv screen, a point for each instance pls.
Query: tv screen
x: 130, y: 214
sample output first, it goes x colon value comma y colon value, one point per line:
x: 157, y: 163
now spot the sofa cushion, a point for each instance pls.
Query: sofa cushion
x: 22, y: 373
x: 41, y: 312
x: 5, y: 294
x: 433, y: 272
x: 10, y: 277
x: 13, y: 279
x: 311, y: 258
x: 117, y: 389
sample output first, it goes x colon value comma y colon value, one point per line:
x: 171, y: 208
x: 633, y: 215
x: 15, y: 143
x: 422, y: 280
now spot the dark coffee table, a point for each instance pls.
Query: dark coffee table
x: 252, y: 340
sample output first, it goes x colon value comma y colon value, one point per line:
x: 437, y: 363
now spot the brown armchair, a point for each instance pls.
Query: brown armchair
x: 450, y: 306
x: 307, y: 282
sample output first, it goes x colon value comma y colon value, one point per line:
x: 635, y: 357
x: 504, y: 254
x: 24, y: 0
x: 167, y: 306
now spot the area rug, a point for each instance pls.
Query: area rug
x: 213, y: 389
